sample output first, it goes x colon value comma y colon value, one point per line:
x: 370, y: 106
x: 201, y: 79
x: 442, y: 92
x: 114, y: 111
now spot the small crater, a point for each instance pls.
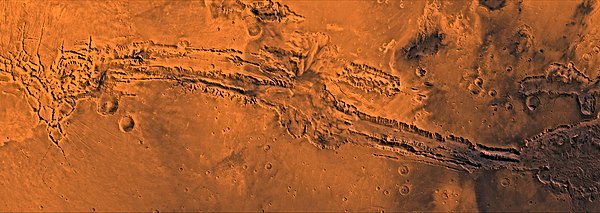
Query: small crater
x: 505, y: 182
x: 268, y: 166
x: 420, y: 72
x: 561, y: 139
x: 508, y: 106
x: 493, y: 4
x: 403, y: 170
x: 126, y: 123
x: 404, y: 190
x: 478, y: 82
x: 475, y: 90
x: 254, y: 30
x: 108, y: 106
x: 532, y: 102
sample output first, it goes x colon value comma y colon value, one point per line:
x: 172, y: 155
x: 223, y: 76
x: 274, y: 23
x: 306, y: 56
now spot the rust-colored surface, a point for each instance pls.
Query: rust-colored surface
x: 243, y: 105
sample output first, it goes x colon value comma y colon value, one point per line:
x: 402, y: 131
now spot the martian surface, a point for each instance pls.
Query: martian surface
x: 299, y: 105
